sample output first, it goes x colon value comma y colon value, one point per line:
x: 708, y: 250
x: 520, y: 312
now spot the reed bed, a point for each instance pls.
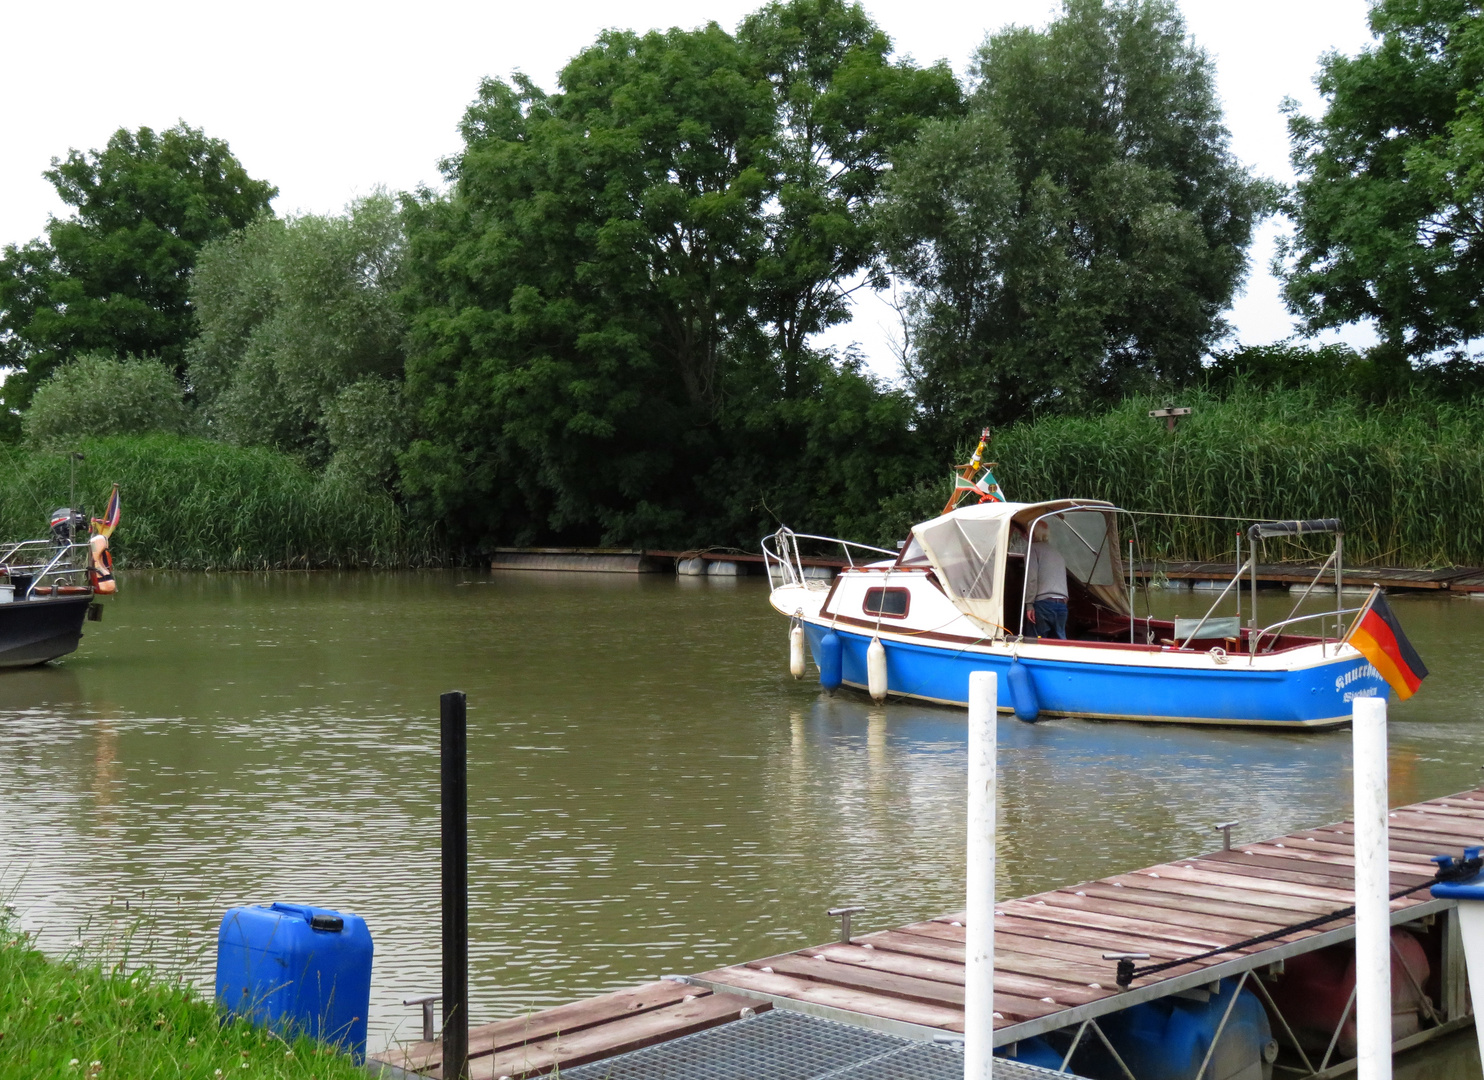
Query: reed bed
x: 1405, y: 477
x: 195, y: 504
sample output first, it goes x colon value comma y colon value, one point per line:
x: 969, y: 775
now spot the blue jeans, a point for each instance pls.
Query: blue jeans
x: 1051, y: 619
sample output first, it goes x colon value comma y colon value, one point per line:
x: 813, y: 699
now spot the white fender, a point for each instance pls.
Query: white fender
x: 876, y: 669
x: 796, y: 652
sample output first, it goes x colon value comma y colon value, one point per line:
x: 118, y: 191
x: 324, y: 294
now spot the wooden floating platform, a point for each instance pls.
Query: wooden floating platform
x: 1456, y: 578
x: 1049, y: 968
x: 631, y: 561
x: 1460, y: 579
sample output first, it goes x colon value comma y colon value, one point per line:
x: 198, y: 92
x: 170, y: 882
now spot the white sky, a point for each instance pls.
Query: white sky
x: 330, y: 100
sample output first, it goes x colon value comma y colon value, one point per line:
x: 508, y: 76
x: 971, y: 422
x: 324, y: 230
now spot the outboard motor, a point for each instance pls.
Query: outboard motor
x: 68, y: 525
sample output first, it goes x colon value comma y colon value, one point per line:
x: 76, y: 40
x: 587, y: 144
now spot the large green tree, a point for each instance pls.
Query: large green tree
x: 610, y: 308
x: 1389, y: 206
x: 577, y: 298
x: 300, y: 344
x: 842, y: 104
x: 1080, y: 231
x: 115, y: 274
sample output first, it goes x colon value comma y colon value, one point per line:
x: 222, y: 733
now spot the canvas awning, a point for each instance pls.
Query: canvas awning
x: 967, y: 549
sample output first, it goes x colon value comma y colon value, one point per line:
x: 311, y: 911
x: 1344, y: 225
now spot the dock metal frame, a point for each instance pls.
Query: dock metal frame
x: 1447, y: 1016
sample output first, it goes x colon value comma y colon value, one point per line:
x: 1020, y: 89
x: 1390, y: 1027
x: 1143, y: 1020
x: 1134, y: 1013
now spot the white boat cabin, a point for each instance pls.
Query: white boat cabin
x: 961, y: 577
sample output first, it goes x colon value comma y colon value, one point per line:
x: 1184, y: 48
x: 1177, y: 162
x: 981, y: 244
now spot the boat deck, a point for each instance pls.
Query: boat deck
x: 1050, y: 972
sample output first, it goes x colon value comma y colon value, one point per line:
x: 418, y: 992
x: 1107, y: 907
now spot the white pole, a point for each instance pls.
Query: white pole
x: 1372, y: 891
x: 979, y: 912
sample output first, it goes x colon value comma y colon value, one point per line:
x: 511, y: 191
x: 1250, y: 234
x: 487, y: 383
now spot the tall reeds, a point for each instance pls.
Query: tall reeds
x: 197, y: 504
x: 1406, y: 477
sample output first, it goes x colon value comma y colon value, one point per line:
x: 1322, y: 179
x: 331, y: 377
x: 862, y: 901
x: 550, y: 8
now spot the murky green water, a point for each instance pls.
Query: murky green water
x: 650, y: 791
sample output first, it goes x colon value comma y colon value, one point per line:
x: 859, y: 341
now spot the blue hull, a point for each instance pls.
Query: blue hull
x: 1316, y: 696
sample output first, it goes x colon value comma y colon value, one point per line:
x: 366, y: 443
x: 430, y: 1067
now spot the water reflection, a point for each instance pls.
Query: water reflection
x: 650, y: 791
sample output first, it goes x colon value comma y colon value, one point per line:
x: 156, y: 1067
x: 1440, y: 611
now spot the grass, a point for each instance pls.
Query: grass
x: 1405, y: 477
x: 195, y: 504
x: 82, y: 1020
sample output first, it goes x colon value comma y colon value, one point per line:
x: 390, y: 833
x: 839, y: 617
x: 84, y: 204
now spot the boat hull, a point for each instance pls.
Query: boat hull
x: 35, y: 631
x: 1311, y: 695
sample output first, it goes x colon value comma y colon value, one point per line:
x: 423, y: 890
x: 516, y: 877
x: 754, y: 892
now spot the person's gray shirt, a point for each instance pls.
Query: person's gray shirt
x: 1045, y: 573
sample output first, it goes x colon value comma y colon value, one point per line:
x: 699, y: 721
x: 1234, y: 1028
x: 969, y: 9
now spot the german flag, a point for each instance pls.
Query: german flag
x: 1378, y: 636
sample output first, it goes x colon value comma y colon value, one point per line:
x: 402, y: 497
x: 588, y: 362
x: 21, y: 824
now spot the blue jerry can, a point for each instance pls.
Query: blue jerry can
x: 297, y: 968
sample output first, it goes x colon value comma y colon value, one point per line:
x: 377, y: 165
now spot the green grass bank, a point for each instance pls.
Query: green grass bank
x: 196, y: 504
x: 83, y: 1021
x: 1406, y: 477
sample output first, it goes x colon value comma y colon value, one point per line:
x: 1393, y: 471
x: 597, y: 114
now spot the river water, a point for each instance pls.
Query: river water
x: 649, y: 791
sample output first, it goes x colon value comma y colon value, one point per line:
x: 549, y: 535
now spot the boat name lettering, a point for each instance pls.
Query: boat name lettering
x: 1365, y: 671
x: 1369, y: 691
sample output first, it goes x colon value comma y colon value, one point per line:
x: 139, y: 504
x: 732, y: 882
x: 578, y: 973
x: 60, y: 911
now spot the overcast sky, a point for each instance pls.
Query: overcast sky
x: 330, y: 100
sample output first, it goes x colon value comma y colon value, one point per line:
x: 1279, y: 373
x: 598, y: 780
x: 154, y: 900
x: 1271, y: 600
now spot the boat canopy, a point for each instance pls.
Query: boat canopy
x: 969, y: 549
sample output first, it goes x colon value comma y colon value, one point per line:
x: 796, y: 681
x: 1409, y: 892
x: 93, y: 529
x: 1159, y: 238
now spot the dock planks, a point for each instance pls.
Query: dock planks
x: 583, y: 1031
x: 1049, y: 970
x: 1454, y: 578
x: 1048, y: 947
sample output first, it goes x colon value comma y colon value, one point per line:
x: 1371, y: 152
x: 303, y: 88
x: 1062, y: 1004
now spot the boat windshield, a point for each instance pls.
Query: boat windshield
x: 964, y: 551
x: 912, y: 554
x: 1083, y: 538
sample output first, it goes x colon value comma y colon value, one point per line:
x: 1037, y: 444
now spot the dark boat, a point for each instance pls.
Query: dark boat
x: 41, y: 629
x: 48, y: 587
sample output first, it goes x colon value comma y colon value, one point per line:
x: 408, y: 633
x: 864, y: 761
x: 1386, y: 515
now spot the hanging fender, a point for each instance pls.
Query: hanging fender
x: 876, y: 670
x: 1023, y: 692
x: 830, y: 662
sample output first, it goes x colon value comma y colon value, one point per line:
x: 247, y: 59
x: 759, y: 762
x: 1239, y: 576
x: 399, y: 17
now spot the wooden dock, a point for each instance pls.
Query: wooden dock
x: 1457, y: 579
x: 635, y: 561
x: 1464, y: 579
x: 1050, y: 971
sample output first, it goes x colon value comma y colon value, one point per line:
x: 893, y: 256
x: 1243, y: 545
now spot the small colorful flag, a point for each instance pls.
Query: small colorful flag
x: 992, y: 486
x: 105, y: 525
x: 985, y: 486
x: 1378, y: 635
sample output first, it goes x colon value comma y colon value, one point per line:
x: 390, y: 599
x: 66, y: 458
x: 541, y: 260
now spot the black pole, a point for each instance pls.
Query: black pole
x: 455, y: 775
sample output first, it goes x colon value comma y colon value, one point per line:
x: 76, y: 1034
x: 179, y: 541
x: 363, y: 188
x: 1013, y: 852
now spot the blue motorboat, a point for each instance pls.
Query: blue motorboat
x: 916, y: 622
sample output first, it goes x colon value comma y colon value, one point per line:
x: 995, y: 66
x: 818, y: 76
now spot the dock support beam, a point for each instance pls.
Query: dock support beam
x: 979, y: 911
x: 1372, y: 891
x: 454, y: 745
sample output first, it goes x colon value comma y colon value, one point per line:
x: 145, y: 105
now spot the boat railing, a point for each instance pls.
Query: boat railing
x: 1235, y: 582
x: 781, y: 553
x: 55, y: 563
x: 1278, y: 626
x: 1265, y: 530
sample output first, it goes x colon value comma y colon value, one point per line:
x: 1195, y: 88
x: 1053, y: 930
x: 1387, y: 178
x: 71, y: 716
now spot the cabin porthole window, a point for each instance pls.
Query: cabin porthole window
x: 890, y: 603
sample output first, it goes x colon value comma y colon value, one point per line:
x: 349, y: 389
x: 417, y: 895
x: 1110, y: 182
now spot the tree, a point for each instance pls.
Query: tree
x: 1389, y: 207
x: 97, y: 394
x: 295, y: 314
x: 842, y: 105
x: 115, y: 275
x: 579, y: 296
x: 611, y: 306
x: 1079, y: 232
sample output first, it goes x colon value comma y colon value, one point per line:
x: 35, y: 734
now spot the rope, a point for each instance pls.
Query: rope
x: 1447, y: 871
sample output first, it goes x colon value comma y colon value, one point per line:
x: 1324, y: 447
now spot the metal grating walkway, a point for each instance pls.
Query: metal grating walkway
x: 784, y: 1045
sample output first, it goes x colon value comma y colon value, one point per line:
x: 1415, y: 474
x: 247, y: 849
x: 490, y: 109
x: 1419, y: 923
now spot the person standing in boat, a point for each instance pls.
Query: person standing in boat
x: 1046, y: 585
